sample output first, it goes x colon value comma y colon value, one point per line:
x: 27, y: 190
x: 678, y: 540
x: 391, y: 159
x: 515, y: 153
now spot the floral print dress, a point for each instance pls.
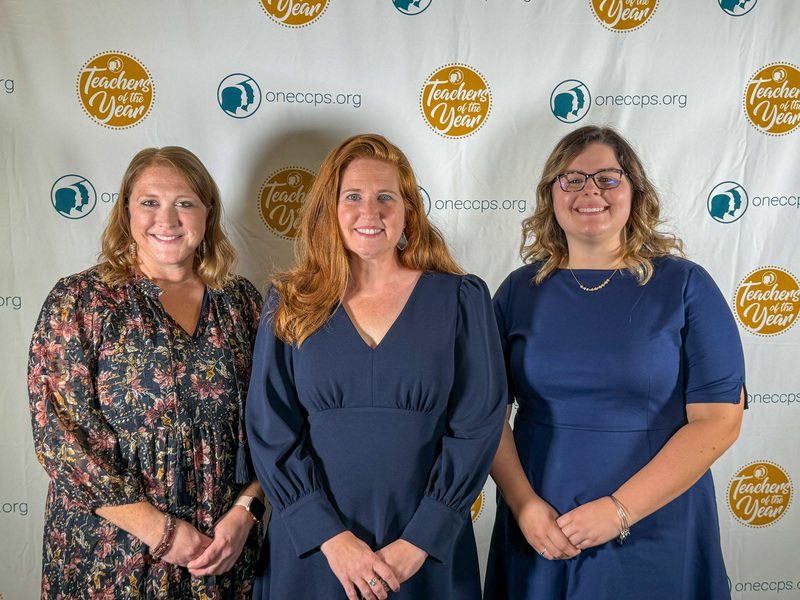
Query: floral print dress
x: 128, y: 407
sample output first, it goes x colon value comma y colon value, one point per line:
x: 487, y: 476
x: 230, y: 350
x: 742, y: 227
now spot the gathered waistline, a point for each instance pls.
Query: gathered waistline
x: 375, y: 408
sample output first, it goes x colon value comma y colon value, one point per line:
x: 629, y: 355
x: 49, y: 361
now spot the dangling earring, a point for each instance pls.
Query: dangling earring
x: 132, y: 251
x: 402, y: 242
x: 203, y: 249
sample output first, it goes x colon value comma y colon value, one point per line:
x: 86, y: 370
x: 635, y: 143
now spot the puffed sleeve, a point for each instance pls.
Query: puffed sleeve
x: 250, y: 305
x: 475, y: 414
x: 76, y: 445
x: 277, y: 429
x: 239, y: 316
x: 713, y: 361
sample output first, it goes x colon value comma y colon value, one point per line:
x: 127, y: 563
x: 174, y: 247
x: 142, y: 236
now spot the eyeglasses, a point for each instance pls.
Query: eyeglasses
x: 575, y: 181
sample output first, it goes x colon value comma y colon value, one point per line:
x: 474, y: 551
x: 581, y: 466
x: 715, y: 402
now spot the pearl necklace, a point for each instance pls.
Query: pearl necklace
x: 593, y: 289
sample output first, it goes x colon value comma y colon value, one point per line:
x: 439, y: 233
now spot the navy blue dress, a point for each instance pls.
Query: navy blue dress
x: 388, y: 443
x: 602, y: 380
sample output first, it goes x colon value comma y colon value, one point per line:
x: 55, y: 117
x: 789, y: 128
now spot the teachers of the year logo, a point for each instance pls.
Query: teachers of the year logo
x: 455, y: 100
x: 476, y: 510
x: 772, y: 99
x: 281, y: 198
x: 767, y: 301
x: 115, y: 90
x: 759, y: 494
x: 294, y: 13
x: 623, y: 15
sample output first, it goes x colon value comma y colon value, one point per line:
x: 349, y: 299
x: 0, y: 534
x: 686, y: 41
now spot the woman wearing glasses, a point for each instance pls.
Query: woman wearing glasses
x: 628, y: 370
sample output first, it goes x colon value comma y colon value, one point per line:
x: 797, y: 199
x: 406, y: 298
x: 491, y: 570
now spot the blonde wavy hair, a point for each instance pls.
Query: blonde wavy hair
x: 542, y: 236
x: 311, y: 290
x: 214, y: 266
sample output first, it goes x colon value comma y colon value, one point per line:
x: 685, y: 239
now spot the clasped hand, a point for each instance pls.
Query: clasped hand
x: 355, y: 565
x: 204, y: 555
x: 557, y: 537
x: 591, y: 524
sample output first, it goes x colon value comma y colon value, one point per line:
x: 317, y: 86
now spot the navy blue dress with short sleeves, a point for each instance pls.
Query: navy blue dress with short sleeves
x: 602, y: 380
x: 388, y: 443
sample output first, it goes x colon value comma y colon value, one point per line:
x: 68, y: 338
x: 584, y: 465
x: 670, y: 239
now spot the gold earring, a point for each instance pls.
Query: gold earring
x: 403, y: 241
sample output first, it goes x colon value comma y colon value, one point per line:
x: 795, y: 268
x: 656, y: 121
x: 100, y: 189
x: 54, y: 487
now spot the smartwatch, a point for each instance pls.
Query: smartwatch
x: 252, y: 505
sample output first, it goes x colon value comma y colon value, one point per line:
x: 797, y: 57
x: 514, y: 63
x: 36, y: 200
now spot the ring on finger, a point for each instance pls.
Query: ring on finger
x: 543, y: 551
x: 374, y: 581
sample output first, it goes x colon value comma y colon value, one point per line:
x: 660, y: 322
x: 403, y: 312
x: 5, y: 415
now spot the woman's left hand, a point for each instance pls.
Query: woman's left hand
x: 403, y: 557
x: 591, y: 524
x: 230, y: 535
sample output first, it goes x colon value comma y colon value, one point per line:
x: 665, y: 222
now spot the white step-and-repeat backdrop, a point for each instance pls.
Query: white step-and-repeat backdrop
x: 476, y: 92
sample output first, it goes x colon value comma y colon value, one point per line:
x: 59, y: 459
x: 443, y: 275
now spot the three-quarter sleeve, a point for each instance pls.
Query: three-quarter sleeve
x: 277, y: 430
x: 713, y: 361
x: 475, y: 414
x: 74, y: 442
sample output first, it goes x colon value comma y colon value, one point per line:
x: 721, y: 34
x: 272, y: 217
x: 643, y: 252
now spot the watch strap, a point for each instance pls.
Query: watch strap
x: 252, y: 505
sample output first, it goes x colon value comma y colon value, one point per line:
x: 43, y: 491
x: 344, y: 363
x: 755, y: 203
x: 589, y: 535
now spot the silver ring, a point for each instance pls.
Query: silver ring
x: 543, y: 551
x: 373, y: 582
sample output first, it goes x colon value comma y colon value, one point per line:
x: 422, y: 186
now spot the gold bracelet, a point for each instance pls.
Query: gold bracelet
x: 623, y: 520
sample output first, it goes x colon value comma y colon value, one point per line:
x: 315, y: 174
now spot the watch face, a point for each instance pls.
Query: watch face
x: 256, y: 508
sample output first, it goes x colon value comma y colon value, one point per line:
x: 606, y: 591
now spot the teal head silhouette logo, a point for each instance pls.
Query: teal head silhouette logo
x: 426, y: 199
x: 570, y: 101
x: 73, y: 196
x: 727, y: 202
x: 737, y: 8
x: 411, y: 7
x: 239, y: 96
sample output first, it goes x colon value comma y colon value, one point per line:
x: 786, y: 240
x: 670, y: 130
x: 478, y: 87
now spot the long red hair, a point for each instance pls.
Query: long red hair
x: 311, y: 290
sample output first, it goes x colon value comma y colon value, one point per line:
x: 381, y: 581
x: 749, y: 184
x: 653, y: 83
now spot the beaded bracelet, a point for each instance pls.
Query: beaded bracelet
x: 166, y: 539
x: 623, y: 520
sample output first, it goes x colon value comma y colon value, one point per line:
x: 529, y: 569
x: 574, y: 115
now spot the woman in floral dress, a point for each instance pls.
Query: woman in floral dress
x: 138, y: 374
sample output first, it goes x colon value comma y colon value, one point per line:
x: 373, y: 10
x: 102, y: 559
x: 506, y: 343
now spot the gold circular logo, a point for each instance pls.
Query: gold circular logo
x: 455, y: 101
x: 772, y: 99
x: 623, y: 15
x: 281, y: 197
x: 759, y: 494
x: 115, y: 90
x: 478, y: 506
x: 294, y: 13
x: 767, y: 301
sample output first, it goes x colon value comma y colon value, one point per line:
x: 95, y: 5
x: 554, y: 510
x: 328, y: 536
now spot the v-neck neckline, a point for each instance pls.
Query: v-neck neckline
x: 154, y: 291
x: 391, y: 327
x: 203, y: 307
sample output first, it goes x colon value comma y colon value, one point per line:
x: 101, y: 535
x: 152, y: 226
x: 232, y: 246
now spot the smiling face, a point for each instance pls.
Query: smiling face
x: 371, y: 209
x: 168, y: 221
x: 593, y: 216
